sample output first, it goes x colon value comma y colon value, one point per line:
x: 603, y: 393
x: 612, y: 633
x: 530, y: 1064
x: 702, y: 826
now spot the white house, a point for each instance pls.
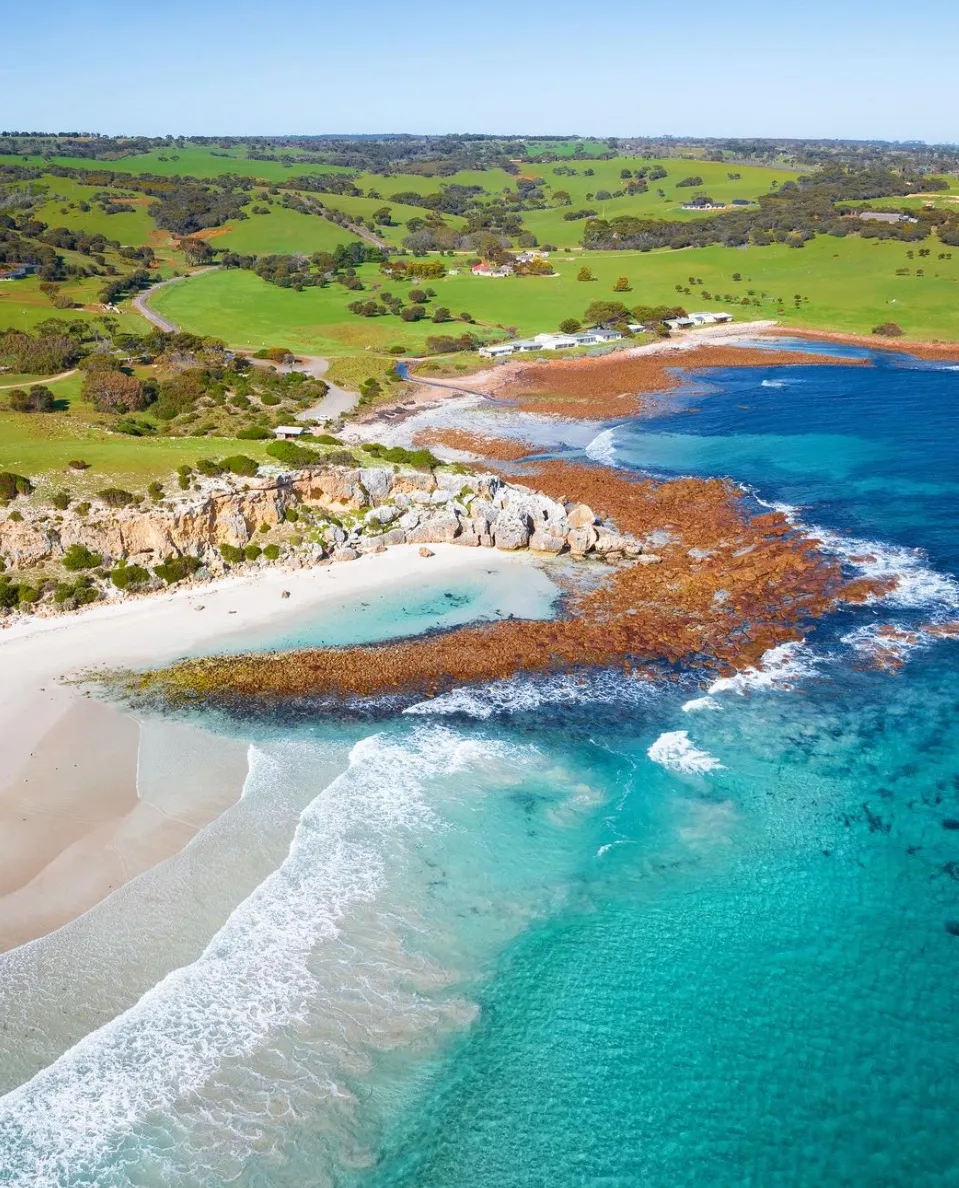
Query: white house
x: 697, y: 319
x: 549, y: 342
x: 285, y: 432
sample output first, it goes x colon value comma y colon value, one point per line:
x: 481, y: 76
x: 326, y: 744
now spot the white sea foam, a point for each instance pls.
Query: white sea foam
x: 204, y: 1024
x: 779, y: 668
x: 674, y: 751
x: 603, y: 448
x: 767, y: 383
x: 523, y: 694
x: 917, y: 585
x: 696, y: 704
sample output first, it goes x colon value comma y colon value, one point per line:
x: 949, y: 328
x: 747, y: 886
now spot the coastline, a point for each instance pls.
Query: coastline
x: 75, y: 823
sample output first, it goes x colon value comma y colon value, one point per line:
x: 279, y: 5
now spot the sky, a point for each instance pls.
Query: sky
x: 816, y: 68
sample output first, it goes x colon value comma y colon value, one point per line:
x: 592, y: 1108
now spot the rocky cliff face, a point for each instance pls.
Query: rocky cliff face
x: 358, y: 508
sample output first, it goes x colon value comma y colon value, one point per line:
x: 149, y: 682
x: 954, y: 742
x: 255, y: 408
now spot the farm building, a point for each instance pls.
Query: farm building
x: 286, y: 432
x: 17, y: 271
x: 549, y: 342
x: 697, y: 319
x: 490, y: 270
x: 885, y: 216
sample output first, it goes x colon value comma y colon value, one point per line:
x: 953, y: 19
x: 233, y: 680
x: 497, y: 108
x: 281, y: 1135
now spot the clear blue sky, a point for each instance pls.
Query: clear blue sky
x: 836, y: 68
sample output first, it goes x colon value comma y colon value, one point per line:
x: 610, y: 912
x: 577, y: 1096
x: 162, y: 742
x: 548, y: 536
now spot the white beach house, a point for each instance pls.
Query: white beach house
x: 549, y: 342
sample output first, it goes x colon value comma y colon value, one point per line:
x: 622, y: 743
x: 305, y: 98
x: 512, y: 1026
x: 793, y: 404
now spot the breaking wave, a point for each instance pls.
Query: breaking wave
x: 674, y: 751
x: 522, y: 694
x: 603, y: 448
x: 179, y: 1076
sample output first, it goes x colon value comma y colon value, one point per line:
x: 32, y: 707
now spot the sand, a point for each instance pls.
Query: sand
x: 76, y: 820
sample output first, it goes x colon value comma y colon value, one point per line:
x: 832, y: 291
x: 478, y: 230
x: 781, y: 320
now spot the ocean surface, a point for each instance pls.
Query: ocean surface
x: 564, y: 932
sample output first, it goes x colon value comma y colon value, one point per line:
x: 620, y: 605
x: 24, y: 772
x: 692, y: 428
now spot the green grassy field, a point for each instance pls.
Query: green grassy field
x: 192, y: 161
x: 44, y: 444
x: 22, y: 305
x: 281, y: 232
x: 60, y: 210
x: 851, y: 285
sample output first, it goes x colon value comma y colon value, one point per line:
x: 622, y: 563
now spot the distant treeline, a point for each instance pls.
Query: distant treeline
x: 441, y: 156
x: 818, y: 204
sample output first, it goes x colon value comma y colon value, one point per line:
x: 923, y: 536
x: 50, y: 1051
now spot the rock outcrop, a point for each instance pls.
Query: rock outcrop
x: 336, y: 512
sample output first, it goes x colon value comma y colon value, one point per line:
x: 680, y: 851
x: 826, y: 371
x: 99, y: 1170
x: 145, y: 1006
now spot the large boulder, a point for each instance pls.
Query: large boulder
x: 441, y: 529
x: 581, y: 540
x: 581, y: 515
x: 406, y: 484
x: 511, y: 530
x: 378, y: 482
x: 544, y: 541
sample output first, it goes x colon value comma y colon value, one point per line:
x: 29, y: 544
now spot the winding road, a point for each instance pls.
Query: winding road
x: 141, y: 305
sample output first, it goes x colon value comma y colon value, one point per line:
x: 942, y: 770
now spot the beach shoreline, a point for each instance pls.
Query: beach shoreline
x: 74, y: 823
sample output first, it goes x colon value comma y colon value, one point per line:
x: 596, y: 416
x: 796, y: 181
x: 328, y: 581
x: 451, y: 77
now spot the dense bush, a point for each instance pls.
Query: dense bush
x: 116, y: 497
x: 38, y: 398
x: 240, y: 464
x: 12, y: 485
x: 114, y: 392
x: 254, y: 432
x: 79, y: 557
x: 175, y: 569
x: 888, y: 330
x: 420, y: 459
x: 291, y: 454
x: 126, y: 576
x: 231, y: 553
x: 272, y: 552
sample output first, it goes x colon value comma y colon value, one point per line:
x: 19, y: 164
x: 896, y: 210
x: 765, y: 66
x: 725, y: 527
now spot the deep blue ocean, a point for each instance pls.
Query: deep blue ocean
x: 590, y: 933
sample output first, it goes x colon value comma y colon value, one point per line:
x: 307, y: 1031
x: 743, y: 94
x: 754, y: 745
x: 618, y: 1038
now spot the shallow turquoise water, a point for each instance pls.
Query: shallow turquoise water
x: 592, y: 932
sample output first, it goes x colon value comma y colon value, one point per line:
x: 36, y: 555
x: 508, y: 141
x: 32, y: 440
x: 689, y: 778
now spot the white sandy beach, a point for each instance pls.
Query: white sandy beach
x: 76, y: 821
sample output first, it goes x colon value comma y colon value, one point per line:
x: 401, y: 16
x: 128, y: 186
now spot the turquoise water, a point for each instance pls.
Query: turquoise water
x: 591, y: 932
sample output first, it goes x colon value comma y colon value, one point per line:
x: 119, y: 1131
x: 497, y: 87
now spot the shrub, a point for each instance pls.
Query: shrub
x: 38, y: 399
x: 78, y: 557
x: 155, y: 491
x: 114, y: 392
x: 291, y: 454
x: 240, y: 464
x: 291, y: 515
x: 253, y: 433
x: 888, y: 330
x: 570, y: 325
x: 252, y: 552
x: 125, y: 576
x: 175, y: 569
x: 327, y: 439
x: 420, y: 459
x: 340, y: 458
x: 585, y: 274
x: 208, y: 468
x: 83, y: 508
x: 12, y: 485
x: 78, y: 464
x: 116, y: 497
x: 272, y: 552
x: 269, y: 399
x: 61, y: 500
x: 231, y: 553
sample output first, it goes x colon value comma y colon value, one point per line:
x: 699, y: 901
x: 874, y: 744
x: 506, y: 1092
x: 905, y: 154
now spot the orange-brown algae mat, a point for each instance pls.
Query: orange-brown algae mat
x: 623, y: 385
x: 728, y: 585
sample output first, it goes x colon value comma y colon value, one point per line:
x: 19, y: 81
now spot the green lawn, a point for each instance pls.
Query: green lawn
x: 851, y: 285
